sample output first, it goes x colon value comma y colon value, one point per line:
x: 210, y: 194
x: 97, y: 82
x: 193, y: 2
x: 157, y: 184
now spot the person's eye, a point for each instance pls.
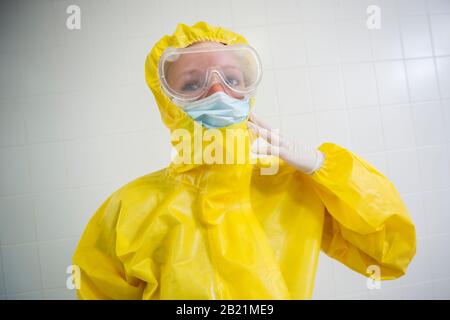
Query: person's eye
x: 191, y: 86
x: 234, y: 82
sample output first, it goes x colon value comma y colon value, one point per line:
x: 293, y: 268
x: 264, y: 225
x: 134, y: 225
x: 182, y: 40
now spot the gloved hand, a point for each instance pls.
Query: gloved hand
x: 299, y: 155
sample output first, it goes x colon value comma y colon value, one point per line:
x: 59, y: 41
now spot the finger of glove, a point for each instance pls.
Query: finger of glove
x: 269, y: 135
x: 258, y: 121
x: 265, y: 149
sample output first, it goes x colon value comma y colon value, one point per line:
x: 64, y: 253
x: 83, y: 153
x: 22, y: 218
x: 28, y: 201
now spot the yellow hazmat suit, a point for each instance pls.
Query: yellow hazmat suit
x: 211, y: 231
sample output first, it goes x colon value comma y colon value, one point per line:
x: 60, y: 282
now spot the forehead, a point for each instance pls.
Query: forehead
x: 202, y: 59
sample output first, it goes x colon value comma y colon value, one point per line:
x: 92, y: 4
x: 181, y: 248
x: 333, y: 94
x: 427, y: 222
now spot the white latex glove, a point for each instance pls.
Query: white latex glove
x: 299, y: 155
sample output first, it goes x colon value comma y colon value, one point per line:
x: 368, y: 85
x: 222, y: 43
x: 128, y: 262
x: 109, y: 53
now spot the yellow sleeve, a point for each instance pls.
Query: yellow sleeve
x: 102, y: 274
x: 366, y: 222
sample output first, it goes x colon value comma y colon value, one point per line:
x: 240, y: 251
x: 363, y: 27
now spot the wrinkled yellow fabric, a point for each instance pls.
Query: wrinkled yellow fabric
x: 229, y: 232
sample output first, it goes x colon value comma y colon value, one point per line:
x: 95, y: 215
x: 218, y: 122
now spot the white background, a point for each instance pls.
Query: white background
x: 77, y: 120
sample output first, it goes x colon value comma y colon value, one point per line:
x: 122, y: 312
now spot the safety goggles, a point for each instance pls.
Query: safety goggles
x: 187, y: 74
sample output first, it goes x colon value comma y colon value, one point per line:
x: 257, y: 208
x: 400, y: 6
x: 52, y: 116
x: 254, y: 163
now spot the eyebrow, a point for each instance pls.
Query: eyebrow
x: 188, y: 72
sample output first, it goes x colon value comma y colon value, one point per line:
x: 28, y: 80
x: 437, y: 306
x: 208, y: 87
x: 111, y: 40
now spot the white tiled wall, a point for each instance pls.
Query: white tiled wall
x: 77, y: 120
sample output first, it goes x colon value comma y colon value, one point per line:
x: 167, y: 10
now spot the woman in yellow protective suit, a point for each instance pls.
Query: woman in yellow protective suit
x: 212, y: 230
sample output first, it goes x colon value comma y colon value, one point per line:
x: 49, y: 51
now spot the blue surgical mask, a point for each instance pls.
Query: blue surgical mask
x: 218, y: 110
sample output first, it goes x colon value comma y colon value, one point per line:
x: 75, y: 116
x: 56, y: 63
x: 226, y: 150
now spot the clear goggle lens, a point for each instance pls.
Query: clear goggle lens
x: 187, y: 74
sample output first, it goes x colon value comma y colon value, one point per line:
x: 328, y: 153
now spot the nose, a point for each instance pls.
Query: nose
x: 215, y: 87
